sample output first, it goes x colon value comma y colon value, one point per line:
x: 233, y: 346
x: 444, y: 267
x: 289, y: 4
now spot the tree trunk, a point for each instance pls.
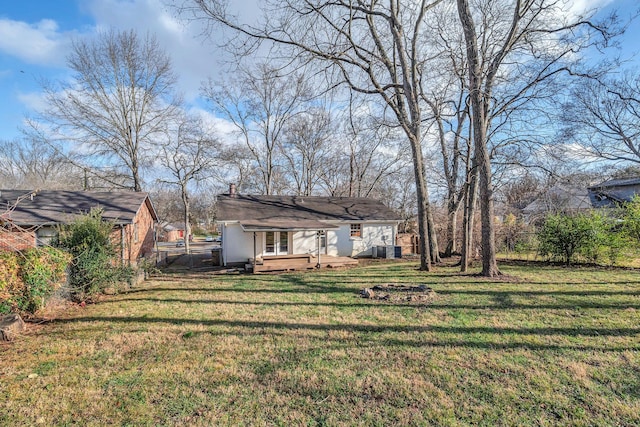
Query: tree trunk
x: 187, y: 226
x: 423, y: 204
x: 452, y: 226
x: 480, y: 101
x: 489, y: 263
x: 433, y: 238
x: 469, y: 218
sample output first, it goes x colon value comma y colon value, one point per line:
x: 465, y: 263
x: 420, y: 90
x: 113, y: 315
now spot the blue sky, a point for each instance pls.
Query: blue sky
x: 35, y: 36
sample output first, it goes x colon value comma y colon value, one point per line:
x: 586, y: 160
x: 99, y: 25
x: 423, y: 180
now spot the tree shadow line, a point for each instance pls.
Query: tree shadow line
x: 501, y: 303
x: 361, y: 328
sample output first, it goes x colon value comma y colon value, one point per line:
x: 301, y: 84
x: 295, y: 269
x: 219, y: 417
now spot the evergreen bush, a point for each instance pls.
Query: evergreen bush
x: 95, y: 265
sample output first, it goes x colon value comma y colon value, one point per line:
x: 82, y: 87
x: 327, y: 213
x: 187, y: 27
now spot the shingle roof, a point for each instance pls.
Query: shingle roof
x: 301, y: 209
x: 614, y: 192
x: 560, y: 196
x: 618, y: 182
x: 47, y: 207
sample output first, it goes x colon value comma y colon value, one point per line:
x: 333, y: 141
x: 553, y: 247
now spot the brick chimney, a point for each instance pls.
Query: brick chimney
x: 232, y: 190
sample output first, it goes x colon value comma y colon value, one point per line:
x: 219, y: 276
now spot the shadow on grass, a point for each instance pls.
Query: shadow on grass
x: 446, y: 341
x: 501, y: 302
x: 300, y: 286
x: 546, y: 331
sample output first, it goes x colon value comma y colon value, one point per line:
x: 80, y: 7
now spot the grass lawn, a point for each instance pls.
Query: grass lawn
x: 550, y: 346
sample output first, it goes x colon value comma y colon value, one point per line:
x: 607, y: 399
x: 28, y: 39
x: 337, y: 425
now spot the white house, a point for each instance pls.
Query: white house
x: 255, y: 228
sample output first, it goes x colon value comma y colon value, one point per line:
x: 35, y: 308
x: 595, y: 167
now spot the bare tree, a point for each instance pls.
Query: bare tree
x: 364, y: 155
x: 239, y: 168
x: 118, y: 102
x: 603, y: 117
x: 260, y: 103
x: 305, y: 148
x: 375, y: 48
x: 28, y: 164
x: 188, y: 154
x: 512, y: 47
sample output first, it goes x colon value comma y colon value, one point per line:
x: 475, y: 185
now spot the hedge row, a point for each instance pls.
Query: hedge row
x: 30, y: 277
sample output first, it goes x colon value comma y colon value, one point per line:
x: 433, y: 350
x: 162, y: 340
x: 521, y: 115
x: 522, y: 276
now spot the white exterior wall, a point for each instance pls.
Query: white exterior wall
x: 372, y: 235
x: 305, y: 242
x: 237, y: 245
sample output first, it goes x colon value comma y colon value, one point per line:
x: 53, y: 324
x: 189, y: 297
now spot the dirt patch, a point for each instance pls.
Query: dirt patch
x: 399, y: 292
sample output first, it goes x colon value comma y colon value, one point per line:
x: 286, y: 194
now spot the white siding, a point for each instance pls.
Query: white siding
x: 237, y: 245
x: 372, y: 235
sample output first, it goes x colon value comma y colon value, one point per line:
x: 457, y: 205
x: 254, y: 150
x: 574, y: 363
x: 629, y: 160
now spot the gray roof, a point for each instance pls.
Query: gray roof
x: 560, y: 197
x: 299, y: 212
x: 49, y: 207
x: 173, y: 226
x: 614, y: 192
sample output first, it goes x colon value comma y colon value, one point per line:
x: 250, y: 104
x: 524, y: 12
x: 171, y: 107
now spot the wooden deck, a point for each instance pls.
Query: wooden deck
x: 299, y: 262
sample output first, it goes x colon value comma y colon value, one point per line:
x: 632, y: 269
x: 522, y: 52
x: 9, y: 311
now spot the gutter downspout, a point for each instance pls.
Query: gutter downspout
x: 255, y: 252
x: 122, y: 245
x: 319, y: 237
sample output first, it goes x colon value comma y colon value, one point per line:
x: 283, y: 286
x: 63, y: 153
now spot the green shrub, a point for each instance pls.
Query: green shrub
x: 94, y: 266
x: 11, y: 283
x: 43, y: 271
x: 593, y: 236
x: 631, y: 220
x: 29, y: 278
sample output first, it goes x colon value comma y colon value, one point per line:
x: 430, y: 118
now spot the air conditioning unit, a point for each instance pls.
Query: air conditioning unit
x: 389, y: 252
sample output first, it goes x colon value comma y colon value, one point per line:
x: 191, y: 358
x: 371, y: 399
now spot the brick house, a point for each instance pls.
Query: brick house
x: 171, y: 232
x: 29, y: 218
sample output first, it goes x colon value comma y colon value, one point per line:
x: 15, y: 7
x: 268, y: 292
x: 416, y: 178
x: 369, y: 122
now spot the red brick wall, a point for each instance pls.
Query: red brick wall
x: 140, y: 246
x: 17, y: 240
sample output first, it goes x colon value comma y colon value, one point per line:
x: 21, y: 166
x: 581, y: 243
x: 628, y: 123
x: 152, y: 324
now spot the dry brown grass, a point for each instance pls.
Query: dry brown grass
x: 556, y: 346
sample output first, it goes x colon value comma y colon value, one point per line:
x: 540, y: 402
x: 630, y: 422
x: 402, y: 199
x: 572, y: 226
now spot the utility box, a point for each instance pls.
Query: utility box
x: 389, y: 252
x: 216, y: 258
x: 397, y: 252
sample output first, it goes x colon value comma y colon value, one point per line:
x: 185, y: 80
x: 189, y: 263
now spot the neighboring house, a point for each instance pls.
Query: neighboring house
x: 614, y: 193
x: 172, y: 231
x: 29, y: 218
x: 557, y: 199
x: 260, y: 227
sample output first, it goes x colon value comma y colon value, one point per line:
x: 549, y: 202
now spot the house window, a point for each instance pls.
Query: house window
x: 270, y: 242
x: 45, y: 236
x: 284, y: 243
x: 356, y: 230
x: 135, y: 233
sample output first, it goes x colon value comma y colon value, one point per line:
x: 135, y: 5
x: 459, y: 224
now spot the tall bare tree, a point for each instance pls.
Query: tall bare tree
x: 117, y: 103
x: 374, y: 47
x: 189, y: 155
x: 305, y: 149
x: 512, y: 48
x: 260, y: 103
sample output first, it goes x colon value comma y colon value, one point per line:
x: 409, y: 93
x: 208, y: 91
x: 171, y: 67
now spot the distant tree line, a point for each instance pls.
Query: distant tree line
x: 439, y: 108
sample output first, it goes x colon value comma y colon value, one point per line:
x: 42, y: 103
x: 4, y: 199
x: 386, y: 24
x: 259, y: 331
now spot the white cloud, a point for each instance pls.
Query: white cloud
x: 34, y: 101
x: 194, y: 58
x: 581, y: 6
x: 40, y: 43
x: 222, y: 128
